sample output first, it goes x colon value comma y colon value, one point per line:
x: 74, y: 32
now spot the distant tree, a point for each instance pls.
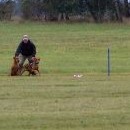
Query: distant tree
x: 59, y: 9
x: 6, y: 9
x: 98, y: 9
x: 117, y: 6
x: 27, y: 8
x: 126, y: 8
x: 62, y: 9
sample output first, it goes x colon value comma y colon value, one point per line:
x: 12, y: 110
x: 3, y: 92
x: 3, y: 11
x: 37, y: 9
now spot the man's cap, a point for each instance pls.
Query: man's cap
x: 25, y: 37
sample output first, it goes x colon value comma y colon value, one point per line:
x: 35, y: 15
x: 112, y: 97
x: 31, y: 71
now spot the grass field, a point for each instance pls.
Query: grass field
x: 56, y: 100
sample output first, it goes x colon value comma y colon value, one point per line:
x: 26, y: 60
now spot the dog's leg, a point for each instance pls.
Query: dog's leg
x: 29, y: 74
x: 38, y: 72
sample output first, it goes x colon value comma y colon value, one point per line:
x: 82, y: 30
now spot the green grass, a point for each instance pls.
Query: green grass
x: 68, y: 48
x: 56, y: 100
x: 90, y: 103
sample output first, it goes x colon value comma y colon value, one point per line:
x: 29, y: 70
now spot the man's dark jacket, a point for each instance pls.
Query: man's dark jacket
x: 26, y: 49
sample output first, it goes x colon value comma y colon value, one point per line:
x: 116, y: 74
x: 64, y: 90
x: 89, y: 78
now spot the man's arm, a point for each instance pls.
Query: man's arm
x: 18, y: 50
x: 33, y: 50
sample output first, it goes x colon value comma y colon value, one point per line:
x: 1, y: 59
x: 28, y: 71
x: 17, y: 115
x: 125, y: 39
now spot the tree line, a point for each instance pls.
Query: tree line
x: 65, y: 10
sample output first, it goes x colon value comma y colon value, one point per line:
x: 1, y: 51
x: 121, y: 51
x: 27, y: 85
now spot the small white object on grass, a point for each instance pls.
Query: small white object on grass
x: 78, y: 75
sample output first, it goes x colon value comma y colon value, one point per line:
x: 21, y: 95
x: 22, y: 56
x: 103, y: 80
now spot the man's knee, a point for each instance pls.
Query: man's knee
x: 21, y: 59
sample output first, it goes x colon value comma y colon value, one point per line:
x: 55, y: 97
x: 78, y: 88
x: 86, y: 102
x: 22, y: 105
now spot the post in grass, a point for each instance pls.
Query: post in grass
x: 108, y: 62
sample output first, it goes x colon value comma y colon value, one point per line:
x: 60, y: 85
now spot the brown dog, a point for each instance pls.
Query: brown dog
x: 32, y: 68
x: 15, y: 67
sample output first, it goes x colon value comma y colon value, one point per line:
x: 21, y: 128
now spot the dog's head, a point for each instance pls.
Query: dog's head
x: 16, y: 60
x: 35, y: 63
x: 35, y: 60
x: 14, y: 68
